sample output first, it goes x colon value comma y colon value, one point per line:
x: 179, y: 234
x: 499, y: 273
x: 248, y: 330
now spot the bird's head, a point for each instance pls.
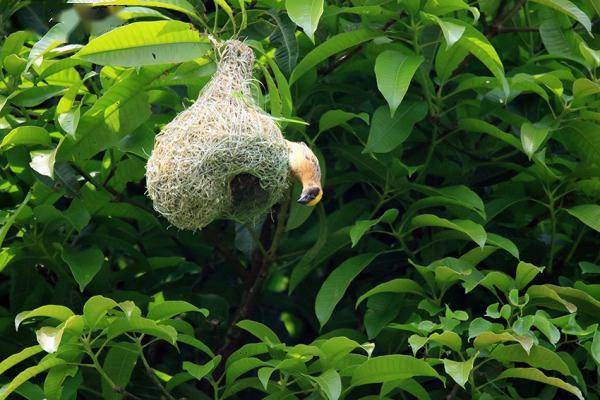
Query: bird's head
x: 311, y: 195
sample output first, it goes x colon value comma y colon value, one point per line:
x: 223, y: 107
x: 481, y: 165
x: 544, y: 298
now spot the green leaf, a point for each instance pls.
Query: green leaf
x: 503, y: 243
x: 169, y: 309
x: 389, y: 368
x: 416, y: 343
x: 240, y: 367
x: 13, y: 43
x: 408, y: 385
x: 546, y: 293
x: 544, y: 325
x: 532, y: 137
x: 452, y: 32
x: 333, y: 118
x: 28, y: 374
x: 84, y: 264
x: 177, y: 380
x: 16, y: 358
x: 394, y: 71
x: 34, y: 96
x: 118, y: 365
x: 138, y: 324
x: 584, y: 88
x: 181, y: 6
x: 337, y: 282
x: 330, y: 47
x: 582, y: 138
x: 475, y: 125
x: 568, y: 8
x: 534, y: 374
x: 448, y: 339
x: 60, y: 313
x: 283, y: 36
x: 443, y: 7
x: 306, y: 14
x: 526, y: 272
x: 459, y: 195
x: 192, y: 341
x: 55, y: 379
x: 459, y: 371
x: 26, y: 135
x: 589, y: 214
x: 261, y: 331
x: 361, y: 227
x: 42, y: 162
x: 146, y: 43
x: 468, y: 227
x: 49, y: 338
x: 486, y: 339
x: 589, y: 268
x: 200, y: 371
x: 121, y: 110
x: 539, y: 357
x: 55, y: 36
x: 387, y: 133
x: 399, y: 285
x: 478, y: 45
x: 329, y: 383
x: 96, y: 308
x: 595, y: 347
x: 448, y: 60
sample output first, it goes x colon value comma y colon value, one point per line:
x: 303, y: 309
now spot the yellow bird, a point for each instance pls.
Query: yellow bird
x: 304, y: 166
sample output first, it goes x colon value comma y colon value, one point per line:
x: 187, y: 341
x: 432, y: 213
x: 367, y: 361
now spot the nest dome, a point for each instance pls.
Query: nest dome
x: 223, y: 157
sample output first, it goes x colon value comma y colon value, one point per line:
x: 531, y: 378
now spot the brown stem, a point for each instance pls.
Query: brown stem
x: 257, y: 275
x: 228, y: 255
x: 153, y: 377
x: 501, y: 19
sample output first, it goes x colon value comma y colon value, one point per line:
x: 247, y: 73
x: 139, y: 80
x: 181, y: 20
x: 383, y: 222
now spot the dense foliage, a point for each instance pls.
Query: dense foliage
x: 454, y: 253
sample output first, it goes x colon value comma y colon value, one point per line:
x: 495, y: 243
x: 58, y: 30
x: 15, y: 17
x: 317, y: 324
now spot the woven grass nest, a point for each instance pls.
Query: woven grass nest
x: 223, y: 157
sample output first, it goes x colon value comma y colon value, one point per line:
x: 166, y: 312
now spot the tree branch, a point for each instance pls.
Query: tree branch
x: 228, y: 255
x: 256, y: 277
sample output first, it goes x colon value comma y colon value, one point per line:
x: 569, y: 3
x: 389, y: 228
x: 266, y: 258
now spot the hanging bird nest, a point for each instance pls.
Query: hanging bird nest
x: 223, y: 157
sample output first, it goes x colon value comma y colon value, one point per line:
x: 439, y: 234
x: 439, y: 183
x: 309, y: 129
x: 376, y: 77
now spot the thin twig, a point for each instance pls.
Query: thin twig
x: 153, y: 377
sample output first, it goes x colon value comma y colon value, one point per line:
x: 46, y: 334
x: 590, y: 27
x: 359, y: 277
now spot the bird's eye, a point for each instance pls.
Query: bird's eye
x: 314, y: 192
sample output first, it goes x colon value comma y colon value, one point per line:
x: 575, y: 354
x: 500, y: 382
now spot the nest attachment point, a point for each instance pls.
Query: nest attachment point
x: 223, y: 157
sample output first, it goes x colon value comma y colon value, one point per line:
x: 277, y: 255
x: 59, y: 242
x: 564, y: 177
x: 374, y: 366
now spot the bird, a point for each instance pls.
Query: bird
x: 304, y: 166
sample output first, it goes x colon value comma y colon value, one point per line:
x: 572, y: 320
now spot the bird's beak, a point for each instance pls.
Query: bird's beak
x: 310, y: 199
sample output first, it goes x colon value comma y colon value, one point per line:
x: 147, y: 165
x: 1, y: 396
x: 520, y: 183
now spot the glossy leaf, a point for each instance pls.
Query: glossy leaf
x: 394, y: 72
x: 145, y: 43
x: 84, y: 264
x: 534, y: 374
x: 387, y: 133
x: 389, y: 368
x: 337, y: 283
x: 306, y: 14
x: 468, y: 227
x: 330, y: 47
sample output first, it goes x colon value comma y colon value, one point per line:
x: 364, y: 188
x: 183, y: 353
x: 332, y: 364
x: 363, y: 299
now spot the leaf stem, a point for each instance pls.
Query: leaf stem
x: 152, y: 375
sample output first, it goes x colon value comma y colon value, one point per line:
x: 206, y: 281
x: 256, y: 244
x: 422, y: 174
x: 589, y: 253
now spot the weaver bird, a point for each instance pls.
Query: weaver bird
x: 304, y: 166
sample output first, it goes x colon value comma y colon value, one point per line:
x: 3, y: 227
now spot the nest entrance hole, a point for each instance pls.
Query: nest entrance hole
x: 247, y: 192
